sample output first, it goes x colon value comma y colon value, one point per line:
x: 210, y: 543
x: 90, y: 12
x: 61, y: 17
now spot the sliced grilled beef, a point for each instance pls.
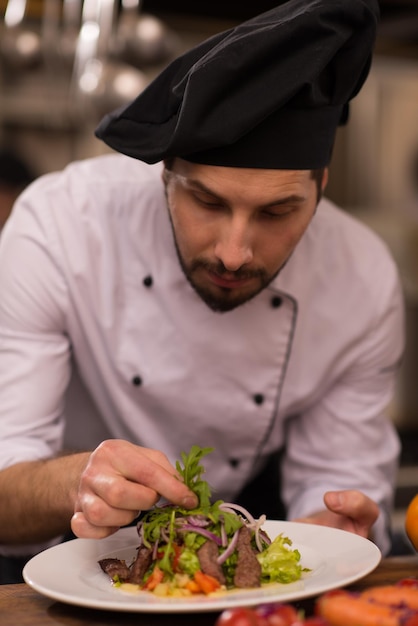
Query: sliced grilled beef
x: 248, y: 570
x: 207, y: 555
x: 140, y: 565
x: 115, y: 567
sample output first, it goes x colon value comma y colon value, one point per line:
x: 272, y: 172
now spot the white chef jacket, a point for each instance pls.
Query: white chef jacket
x: 89, y: 278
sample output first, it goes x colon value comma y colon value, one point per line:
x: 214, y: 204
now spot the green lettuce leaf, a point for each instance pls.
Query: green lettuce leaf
x: 279, y: 563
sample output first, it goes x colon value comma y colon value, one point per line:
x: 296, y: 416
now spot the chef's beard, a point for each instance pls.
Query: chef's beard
x: 222, y: 300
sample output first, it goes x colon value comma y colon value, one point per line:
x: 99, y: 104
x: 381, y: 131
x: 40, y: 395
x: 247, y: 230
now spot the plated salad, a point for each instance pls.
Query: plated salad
x: 216, y: 547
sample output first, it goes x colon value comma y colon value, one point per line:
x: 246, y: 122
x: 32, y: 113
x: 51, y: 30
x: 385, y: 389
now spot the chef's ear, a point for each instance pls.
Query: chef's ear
x: 320, y: 177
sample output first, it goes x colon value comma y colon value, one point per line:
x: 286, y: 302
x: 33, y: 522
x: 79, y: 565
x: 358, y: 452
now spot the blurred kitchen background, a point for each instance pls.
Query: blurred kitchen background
x: 64, y: 63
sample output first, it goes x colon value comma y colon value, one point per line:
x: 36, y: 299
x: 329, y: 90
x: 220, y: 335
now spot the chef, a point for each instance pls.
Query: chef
x: 198, y: 289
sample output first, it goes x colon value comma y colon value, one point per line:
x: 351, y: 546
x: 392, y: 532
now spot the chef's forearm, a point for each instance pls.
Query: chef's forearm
x: 38, y: 498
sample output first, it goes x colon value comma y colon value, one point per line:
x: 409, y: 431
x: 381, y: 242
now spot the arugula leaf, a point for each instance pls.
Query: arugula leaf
x: 165, y: 563
x: 161, y: 519
x: 192, y: 471
x: 158, y: 526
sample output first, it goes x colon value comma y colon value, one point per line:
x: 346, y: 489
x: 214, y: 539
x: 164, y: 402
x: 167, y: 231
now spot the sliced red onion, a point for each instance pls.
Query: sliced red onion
x: 230, y: 549
x: 139, y: 528
x: 265, y: 610
x: 154, y: 551
x: 264, y: 536
x: 198, y: 520
x: 140, y: 531
x: 224, y: 536
x: 257, y: 531
x: 200, y: 531
x: 233, y: 508
x: 252, y: 523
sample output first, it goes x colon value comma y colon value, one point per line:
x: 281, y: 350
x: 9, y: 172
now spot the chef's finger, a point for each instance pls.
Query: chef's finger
x: 81, y: 527
x: 361, y: 509
x: 112, y: 492
x: 141, y: 466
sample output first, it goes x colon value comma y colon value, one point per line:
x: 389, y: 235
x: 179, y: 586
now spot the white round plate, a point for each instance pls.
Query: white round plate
x: 70, y: 573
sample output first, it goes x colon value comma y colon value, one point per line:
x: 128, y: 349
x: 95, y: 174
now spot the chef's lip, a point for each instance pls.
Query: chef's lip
x: 229, y: 281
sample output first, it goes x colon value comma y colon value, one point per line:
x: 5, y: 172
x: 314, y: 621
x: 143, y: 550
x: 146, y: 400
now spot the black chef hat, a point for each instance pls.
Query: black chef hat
x: 268, y: 93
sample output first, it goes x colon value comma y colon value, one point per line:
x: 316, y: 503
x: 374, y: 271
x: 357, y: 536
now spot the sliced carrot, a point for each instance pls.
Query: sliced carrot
x: 346, y: 608
x: 393, y: 595
x: 207, y: 583
x: 193, y: 587
x: 155, y: 578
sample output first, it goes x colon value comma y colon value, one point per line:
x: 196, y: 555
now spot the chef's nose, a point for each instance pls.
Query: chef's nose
x: 234, y: 247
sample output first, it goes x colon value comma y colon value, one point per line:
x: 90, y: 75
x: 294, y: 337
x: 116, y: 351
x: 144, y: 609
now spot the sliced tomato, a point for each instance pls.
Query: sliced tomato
x: 240, y: 617
x: 176, y: 557
x: 408, y: 582
x: 279, y: 614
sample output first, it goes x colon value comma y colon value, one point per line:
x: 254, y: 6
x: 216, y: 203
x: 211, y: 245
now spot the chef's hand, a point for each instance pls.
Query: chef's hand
x: 349, y: 510
x: 119, y: 480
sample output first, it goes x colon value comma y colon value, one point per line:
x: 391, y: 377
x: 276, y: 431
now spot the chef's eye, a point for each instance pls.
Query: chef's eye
x: 277, y: 215
x: 209, y: 202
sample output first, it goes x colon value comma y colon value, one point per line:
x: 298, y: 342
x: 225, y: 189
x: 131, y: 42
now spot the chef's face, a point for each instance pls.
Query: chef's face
x: 235, y: 228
